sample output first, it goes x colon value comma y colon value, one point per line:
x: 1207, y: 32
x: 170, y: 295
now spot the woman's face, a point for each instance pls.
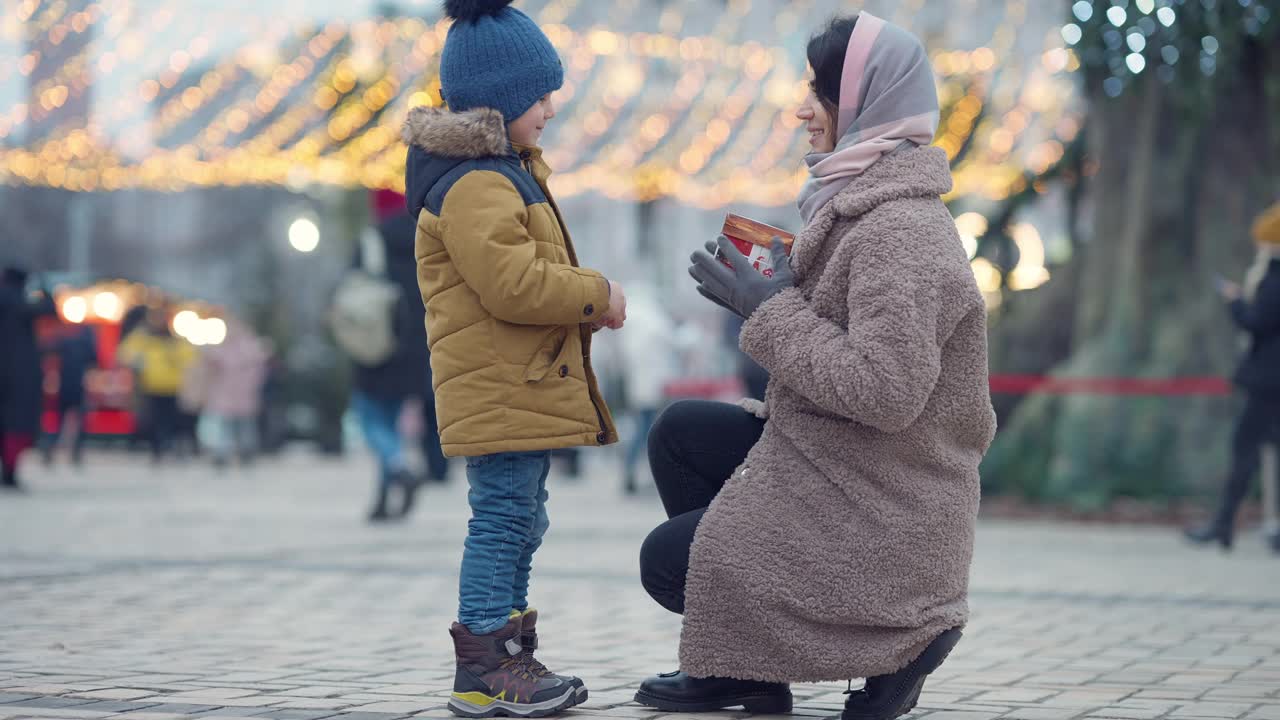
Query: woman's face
x: 818, y: 121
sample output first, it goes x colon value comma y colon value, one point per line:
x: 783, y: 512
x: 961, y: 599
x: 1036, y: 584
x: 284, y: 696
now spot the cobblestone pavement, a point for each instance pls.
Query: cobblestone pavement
x: 148, y: 594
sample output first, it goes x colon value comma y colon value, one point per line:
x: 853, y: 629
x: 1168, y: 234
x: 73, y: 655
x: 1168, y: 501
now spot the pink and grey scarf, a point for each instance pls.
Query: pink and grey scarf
x: 887, y: 97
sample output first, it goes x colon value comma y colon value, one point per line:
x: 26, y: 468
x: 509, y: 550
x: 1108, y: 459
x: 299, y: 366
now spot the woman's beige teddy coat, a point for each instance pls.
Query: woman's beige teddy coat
x: 841, y: 547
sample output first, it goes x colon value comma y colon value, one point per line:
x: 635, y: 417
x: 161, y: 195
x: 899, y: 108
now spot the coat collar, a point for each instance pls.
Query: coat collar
x: 908, y: 173
x: 531, y: 157
x: 441, y: 140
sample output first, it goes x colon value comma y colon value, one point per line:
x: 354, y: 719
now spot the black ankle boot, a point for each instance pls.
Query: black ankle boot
x: 885, y: 697
x: 678, y: 692
x: 379, y: 512
x: 1220, y: 530
x: 408, y: 484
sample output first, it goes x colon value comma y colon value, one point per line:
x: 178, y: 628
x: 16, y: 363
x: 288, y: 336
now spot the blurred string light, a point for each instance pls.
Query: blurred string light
x: 706, y: 117
x: 247, y: 60
x: 75, y: 309
x: 107, y: 301
x: 107, y: 305
x: 990, y: 280
x: 197, y: 330
x: 971, y: 226
x: 1030, y: 272
x: 304, y: 235
x: 185, y: 322
x: 1119, y: 41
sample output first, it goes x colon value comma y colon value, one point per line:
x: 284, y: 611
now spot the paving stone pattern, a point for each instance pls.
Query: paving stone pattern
x: 144, y: 593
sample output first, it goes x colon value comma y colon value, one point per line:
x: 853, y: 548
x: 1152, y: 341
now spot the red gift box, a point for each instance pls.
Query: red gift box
x: 754, y: 239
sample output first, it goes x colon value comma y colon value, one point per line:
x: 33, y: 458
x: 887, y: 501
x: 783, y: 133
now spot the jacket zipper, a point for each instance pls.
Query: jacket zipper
x: 527, y: 162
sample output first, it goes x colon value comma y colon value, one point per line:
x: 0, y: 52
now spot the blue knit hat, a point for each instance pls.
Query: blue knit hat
x: 496, y: 57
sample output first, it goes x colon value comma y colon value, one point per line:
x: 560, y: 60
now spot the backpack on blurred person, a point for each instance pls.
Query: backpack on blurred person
x: 362, y: 316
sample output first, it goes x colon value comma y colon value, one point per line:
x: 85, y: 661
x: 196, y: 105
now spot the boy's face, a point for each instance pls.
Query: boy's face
x: 527, y: 129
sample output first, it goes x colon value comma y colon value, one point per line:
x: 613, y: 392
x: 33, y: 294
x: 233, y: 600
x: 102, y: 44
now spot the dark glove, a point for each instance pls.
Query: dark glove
x: 714, y: 251
x: 707, y: 294
x: 741, y: 289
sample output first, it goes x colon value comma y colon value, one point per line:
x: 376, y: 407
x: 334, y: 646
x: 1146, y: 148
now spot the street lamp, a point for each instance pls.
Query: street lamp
x: 304, y: 235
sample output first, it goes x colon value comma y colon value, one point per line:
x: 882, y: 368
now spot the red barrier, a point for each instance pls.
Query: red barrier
x: 707, y: 388
x: 1160, y: 387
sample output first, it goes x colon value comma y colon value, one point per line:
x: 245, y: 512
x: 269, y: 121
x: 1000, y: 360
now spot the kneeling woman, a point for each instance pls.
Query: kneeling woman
x: 827, y: 535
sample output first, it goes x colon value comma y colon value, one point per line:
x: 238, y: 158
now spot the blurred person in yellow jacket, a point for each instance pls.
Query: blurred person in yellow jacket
x: 160, y: 360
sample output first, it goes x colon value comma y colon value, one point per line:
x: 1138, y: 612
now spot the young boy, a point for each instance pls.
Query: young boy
x: 510, y: 316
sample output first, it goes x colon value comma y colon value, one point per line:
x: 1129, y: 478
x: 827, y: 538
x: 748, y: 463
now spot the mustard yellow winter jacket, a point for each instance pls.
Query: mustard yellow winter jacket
x: 508, y: 310
x: 161, y: 360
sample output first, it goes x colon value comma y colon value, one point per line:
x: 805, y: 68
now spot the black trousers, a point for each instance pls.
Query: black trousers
x: 67, y: 407
x: 163, y: 420
x: 694, y: 448
x: 1258, y: 425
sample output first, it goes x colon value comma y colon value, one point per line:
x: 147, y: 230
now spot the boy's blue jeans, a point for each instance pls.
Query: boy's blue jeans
x: 508, y: 499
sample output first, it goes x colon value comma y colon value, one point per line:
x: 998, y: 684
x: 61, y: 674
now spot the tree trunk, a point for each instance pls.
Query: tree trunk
x: 1169, y: 206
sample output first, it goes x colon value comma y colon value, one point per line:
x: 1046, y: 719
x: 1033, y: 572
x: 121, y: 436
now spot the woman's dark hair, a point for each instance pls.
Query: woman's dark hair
x: 826, y: 53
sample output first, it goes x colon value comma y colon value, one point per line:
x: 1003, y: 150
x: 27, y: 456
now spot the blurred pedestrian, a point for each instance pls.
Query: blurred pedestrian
x: 160, y: 361
x: 1255, y: 308
x: 76, y: 349
x: 385, y: 381
x: 192, y: 395
x: 186, y: 439
x: 134, y: 318
x: 233, y: 375
x: 649, y: 362
x: 21, y: 386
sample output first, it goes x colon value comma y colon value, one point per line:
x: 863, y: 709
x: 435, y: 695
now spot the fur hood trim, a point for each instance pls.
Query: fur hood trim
x: 472, y: 134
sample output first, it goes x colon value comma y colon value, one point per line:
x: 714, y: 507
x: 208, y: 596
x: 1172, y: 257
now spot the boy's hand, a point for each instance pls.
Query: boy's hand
x: 617, y: 315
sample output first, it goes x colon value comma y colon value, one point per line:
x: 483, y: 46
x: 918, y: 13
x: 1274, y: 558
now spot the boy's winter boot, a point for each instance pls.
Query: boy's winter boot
x: 529, y: 644
x: 494, y: 678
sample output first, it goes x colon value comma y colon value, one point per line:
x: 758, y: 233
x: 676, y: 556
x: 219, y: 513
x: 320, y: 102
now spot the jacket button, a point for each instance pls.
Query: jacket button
x: 564, y: 371
x: 601, y: 438
x: 589, y: 310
